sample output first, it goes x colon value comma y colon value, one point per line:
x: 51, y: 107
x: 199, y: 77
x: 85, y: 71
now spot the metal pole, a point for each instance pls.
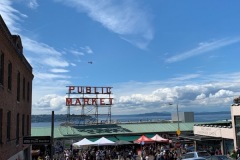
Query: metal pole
x: 179, y: 153
x: 178, y: 117
x: 52, y: 135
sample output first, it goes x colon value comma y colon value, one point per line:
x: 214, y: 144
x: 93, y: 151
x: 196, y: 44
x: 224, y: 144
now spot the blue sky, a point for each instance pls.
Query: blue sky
x: 151, y: 52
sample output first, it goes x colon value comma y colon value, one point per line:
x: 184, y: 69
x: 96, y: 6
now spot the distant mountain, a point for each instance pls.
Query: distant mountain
x: 48, y: 118
x: 63, y: 117
x: 212, y: 113
x: 155, y: 114
x: 169, y: 113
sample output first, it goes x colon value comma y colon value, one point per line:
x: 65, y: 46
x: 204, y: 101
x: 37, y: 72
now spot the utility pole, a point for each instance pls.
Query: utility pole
x: 52, y: 136
x: 178, y: 131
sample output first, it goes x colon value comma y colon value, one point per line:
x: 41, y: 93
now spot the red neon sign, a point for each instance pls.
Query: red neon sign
x: 85, y: 100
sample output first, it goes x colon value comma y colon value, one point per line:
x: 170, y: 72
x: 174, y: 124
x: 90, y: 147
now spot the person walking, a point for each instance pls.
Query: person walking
x: 238, y: 153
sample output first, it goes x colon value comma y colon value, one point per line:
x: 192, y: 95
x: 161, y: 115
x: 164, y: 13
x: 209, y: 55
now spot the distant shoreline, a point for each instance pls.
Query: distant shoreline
x: 151, y: 113
x: 199, y: 116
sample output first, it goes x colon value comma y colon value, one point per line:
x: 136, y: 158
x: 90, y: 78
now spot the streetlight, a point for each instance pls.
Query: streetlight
x: 178, y: 143
x: 178, y: 130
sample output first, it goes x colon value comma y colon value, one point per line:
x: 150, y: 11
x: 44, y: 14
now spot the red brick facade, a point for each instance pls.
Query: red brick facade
x: 15, y: 96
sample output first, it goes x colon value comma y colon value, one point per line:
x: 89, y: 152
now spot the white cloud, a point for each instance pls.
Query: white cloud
x: 48, y: 76
x: 50, y: 102
x: 42, y: 55
x: 212, y: 95
x: 221, y: 94
x: 59, y: 70
x: 203, y: 47
x: 124, y: 18
x: 38, y: 47
x: 77, y: 53
x: 73, y: 64
x: 11, y: 16
x: 87, y: 49
x: 55, y: 62
x: 187, y: 77
x: 132, y: 97
x: 82, y: 51
x: 201, y: 96
x: 33, y: 4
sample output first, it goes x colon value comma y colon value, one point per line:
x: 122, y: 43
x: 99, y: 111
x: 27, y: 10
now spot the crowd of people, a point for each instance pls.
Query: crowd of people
x: 123, y: 152
x: 151, y: 151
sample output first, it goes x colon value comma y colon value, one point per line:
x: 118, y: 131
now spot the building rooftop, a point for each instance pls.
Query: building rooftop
x: 122, y: 129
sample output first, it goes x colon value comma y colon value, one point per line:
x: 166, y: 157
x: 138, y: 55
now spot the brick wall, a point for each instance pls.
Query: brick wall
x: 11, y: 47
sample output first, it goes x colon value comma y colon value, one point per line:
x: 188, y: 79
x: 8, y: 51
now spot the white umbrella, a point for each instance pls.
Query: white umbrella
x: 103, y: 141
x: 83, y: 142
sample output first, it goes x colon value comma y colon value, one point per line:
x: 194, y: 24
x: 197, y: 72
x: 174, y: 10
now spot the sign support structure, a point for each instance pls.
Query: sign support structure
x: 93, y: 104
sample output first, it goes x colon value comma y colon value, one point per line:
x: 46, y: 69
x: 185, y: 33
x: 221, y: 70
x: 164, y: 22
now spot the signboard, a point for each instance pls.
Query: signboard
x: 88, y: 98
x: 37, y: 140
x: 208, y: 131
x: 178, y: 132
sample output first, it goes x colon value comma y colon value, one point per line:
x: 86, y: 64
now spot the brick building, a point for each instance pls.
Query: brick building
x: 15, y: 96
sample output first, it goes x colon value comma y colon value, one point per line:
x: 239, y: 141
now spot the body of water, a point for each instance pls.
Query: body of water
x: 138, y: 118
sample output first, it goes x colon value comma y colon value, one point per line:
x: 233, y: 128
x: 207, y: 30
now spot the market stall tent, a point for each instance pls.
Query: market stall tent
x: 143, y: 139
x: 103, y: 141
x: 83, y: 142
x: 158, y: 138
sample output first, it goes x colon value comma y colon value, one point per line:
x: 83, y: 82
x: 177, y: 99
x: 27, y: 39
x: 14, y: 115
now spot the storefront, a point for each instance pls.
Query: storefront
x: 222, y: 136
x: 235, y: 115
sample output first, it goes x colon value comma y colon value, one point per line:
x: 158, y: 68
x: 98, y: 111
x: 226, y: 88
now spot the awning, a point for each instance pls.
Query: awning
x: 127, y: 138
x: 149, y: 134
x: 201, y: 138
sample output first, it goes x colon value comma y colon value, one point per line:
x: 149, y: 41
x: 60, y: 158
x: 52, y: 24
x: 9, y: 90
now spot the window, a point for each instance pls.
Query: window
x: 1, y: 68
x: 28, y: 127
x: 23, y: 89
x: 18, y: 86
x: 17, y: 129
x: 23, y: 126
x: 8, y: 125
x: 28, y: 91
x: 10, y: 76
x: 1, y: 120
x: 237, y: 129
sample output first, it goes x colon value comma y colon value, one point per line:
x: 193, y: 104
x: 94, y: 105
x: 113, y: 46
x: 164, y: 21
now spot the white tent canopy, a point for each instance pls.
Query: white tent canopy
x: 158, y: 138
x: 83, y: 142
x: 103, y: 141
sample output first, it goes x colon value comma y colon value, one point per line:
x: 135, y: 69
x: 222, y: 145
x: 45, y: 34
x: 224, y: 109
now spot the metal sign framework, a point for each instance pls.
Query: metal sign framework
x: 94, y: 104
